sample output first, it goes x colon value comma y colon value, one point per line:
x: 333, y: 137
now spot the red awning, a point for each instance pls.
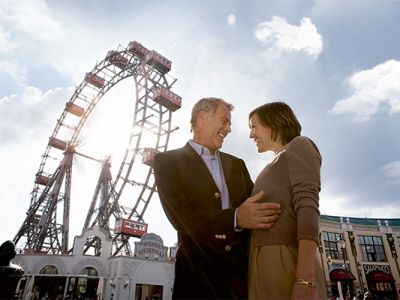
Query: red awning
x: 340, y: 275
x: 378, y: 276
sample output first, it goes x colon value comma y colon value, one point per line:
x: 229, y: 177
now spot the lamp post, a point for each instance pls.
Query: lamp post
x: 359, y: 269
x: 390, y: 240
x: 342, y: 245
x: 329, y: 284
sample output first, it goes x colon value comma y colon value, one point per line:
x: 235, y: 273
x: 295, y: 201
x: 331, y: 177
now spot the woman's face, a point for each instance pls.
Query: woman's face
x: 262, y: 135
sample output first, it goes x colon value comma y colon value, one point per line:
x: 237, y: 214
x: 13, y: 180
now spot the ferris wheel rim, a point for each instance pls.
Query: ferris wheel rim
x: 136, y: 68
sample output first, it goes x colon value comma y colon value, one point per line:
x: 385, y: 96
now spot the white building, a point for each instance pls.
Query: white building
x: 146, y: 276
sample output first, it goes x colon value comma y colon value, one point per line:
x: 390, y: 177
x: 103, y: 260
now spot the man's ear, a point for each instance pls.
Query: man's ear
x: 202, y: 116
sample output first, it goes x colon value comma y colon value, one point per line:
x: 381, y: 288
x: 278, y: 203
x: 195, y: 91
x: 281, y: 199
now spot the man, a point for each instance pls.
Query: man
x: 202, y: 191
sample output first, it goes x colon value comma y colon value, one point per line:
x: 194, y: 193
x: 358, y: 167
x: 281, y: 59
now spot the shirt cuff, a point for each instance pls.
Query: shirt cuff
x: 236, y: 227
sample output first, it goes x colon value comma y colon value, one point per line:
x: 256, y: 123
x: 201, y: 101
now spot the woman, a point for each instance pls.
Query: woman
x: 283, y: 260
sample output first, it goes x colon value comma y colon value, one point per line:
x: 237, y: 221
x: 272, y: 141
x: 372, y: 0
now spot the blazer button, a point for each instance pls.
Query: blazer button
x: 228, y: 248
x: 216, y: 195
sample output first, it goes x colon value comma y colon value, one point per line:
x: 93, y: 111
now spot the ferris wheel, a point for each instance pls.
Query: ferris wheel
x: 121, y: 199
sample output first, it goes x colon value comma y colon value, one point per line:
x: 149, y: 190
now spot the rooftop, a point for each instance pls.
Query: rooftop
x: 362, y: 221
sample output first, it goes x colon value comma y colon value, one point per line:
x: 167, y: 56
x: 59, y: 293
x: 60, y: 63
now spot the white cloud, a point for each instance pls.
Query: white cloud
x: 15, y: 71
x: 283, y: 37
x: 231, y: 20
x: 6, y: 45
x: 373, y: 89
x: 332, y: 203
x: 31, y: 18
x: 392, y: 172
x: 26, y: 114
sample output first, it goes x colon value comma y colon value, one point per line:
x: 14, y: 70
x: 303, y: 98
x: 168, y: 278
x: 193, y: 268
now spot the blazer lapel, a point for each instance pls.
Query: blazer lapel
x: 197, y: 164
x: 227, y: 166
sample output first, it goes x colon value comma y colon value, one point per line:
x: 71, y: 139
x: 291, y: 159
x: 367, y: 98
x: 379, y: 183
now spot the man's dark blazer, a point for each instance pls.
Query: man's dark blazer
x: 211, y: 261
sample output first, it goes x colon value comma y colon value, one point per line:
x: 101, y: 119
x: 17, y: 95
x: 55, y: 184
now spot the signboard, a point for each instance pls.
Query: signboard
x: 371, y: 268
x: 151, y: 247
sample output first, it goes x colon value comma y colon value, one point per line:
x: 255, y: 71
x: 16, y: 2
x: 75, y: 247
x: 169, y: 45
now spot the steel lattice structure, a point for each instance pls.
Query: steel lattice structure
x: 46, y: 226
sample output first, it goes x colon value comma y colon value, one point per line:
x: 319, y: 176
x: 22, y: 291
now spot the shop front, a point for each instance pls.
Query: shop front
x: 381, y: 284
x: 341, y: 282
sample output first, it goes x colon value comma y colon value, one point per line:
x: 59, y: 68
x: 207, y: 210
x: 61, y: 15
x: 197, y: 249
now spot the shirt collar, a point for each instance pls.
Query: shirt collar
x: 200, y: 149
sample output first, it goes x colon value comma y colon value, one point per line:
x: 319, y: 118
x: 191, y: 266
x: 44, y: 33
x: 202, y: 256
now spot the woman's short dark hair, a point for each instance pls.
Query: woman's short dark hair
x: 280, y: 118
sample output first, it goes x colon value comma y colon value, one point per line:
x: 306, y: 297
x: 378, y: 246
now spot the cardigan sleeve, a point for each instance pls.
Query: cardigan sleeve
x: 305, y: 180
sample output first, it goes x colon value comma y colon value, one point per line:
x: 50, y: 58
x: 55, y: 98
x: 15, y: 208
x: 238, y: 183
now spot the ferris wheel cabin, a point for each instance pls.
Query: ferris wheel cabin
x: 117, y: 59
x: 138, y: 49
x: 95, y: 80
x: 167, y: 98
x: 74, y: 109
x: 148, y: 156
x: 57, y: 143
x: 42, y: 179
x: 159, y: 62
x: 130, y: 227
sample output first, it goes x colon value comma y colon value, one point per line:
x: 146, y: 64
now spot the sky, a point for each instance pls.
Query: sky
x: 336, y: 63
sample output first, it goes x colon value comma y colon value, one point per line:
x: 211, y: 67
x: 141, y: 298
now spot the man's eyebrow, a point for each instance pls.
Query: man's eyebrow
x: 226, y: 120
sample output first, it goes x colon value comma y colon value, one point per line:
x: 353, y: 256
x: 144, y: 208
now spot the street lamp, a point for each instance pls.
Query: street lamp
x: 392, y: 247
x: 342, y: 245
x: 359, y: 269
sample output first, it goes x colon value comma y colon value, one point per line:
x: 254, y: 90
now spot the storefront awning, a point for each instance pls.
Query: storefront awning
x: 378, y: 276
x: 340, y: 275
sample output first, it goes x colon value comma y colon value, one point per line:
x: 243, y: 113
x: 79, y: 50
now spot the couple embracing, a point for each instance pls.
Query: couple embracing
x: 239, y: 240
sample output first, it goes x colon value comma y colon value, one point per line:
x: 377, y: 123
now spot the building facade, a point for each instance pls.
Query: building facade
x: 146, y: 276
x: 357, y: 254
x: 360, y: 254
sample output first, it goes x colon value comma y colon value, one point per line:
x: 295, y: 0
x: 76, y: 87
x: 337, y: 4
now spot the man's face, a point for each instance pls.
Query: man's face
x: 214, y: 127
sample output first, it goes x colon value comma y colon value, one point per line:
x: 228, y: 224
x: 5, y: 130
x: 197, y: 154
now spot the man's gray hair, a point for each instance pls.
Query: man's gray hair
x: 207, y: 105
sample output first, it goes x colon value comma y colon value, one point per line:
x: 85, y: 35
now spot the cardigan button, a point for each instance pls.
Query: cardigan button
x: 216, y: 195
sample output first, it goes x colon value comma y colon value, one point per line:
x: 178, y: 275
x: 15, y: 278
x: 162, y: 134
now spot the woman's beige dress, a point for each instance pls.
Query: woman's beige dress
x: 273, y: 273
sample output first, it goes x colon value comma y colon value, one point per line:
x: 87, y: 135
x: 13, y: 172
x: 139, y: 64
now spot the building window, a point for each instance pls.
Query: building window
x: 50, y: 269
x: 92, y: 246
x: 371, y: 248
x: 330, y: 243
x: 89, y: 271
x: 147, y: 291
